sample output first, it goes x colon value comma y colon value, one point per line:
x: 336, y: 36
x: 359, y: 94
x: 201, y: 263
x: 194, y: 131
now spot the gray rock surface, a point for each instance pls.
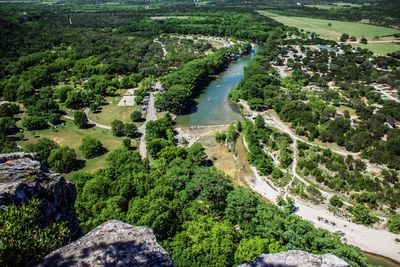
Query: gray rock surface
x: 294, y: 258
x: 23, y: 177
x: 113, y: 243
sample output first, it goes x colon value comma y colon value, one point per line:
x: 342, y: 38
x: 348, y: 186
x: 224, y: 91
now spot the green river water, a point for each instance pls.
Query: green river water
x: 212, y: 106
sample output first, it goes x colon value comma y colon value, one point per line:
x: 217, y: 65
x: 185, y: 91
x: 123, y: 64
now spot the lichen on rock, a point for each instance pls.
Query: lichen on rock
x: 23, y: 177
x: 296, y: 258
x: 113, y: 243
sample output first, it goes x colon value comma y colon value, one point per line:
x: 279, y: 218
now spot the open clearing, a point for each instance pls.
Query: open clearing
x: 70, y: 135
x: 320, y: 26
x: 112, y: 111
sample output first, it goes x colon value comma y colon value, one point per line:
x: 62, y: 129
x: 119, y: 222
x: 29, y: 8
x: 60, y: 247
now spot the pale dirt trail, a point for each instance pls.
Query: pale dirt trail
x: 99, y: 125
x: 162, y: 47
x: 370, y: 240
x: 103, y: 126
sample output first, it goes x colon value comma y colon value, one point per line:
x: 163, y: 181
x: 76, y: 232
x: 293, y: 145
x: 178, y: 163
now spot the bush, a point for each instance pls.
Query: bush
x: 220, y: 137
x: 127, y: 143
x: 362, y: 215
x: 63, y: 159
x: 22, y: 240
x: 118, y: 128
x: 336, y: 201
x: 34, y: 123
x: 80, y: 119
x: 55, y: 118
x: 136, y: 116
x: 91, y: 147
x: 393, y: 224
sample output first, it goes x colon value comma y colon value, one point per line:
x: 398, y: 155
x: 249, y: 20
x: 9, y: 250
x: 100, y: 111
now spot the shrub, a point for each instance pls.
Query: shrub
x: 393, y: 223
x: 127, y: 143
x: 336, y: 201
x: 80, y: 119
x: 91, y: 147
x: 362, y: 215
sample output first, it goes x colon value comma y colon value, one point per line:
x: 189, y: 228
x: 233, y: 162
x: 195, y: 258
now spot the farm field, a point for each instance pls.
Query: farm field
x: 320, y: 26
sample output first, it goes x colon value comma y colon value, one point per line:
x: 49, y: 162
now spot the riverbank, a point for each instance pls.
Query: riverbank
x: 371, y: 240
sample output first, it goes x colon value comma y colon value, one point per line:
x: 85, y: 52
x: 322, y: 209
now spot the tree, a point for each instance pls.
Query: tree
x: 118, y: 128
x: 22, y: 240
x: 130, y: 130
x: 7, y: 126
x: 209, y: 184
x: 80, y: 119
x: 344, y: 37
x: 363, y: 40
x: 91, y: 147
x: 136, y: 116
x: 63, y: 159
x: 393, y: 223
x: 127, y: 143
x: 175, y: 99
x: 204, y: 242
x: 34, y: 122
x: 43, y: 147
x: 241, y: 206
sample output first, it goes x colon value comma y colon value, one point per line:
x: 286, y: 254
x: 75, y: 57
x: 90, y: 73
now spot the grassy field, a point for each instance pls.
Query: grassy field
x: 380, y: 48
x: 320, y: 26
x: 112, y: 111
x: 334, y: 5
x: 70, y: 135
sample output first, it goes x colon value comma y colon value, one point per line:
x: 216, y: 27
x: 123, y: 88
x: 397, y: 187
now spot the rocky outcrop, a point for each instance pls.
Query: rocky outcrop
x: 23, y: 177
x: 294, y: 258
x: 113, y: 243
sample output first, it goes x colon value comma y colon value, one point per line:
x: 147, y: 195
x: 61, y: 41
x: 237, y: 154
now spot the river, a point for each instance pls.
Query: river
x: 212, y: 106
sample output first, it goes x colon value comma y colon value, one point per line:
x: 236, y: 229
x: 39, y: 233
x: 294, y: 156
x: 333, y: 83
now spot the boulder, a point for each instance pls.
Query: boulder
x: 294, y: 258
x: 23, y: 177
x: 113, y: 243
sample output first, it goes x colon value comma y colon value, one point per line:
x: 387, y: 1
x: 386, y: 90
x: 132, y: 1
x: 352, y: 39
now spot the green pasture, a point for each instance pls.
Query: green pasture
x: 337, y: 28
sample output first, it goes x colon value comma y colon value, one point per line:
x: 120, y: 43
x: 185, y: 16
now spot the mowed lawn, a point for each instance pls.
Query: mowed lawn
x: 320, y: 26
x: 69, y: 135
x: 110, y: 112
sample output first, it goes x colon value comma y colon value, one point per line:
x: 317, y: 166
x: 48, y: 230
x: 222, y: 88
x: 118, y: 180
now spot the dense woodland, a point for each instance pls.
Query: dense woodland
x: 61, y: 58
x: 177, y: 193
